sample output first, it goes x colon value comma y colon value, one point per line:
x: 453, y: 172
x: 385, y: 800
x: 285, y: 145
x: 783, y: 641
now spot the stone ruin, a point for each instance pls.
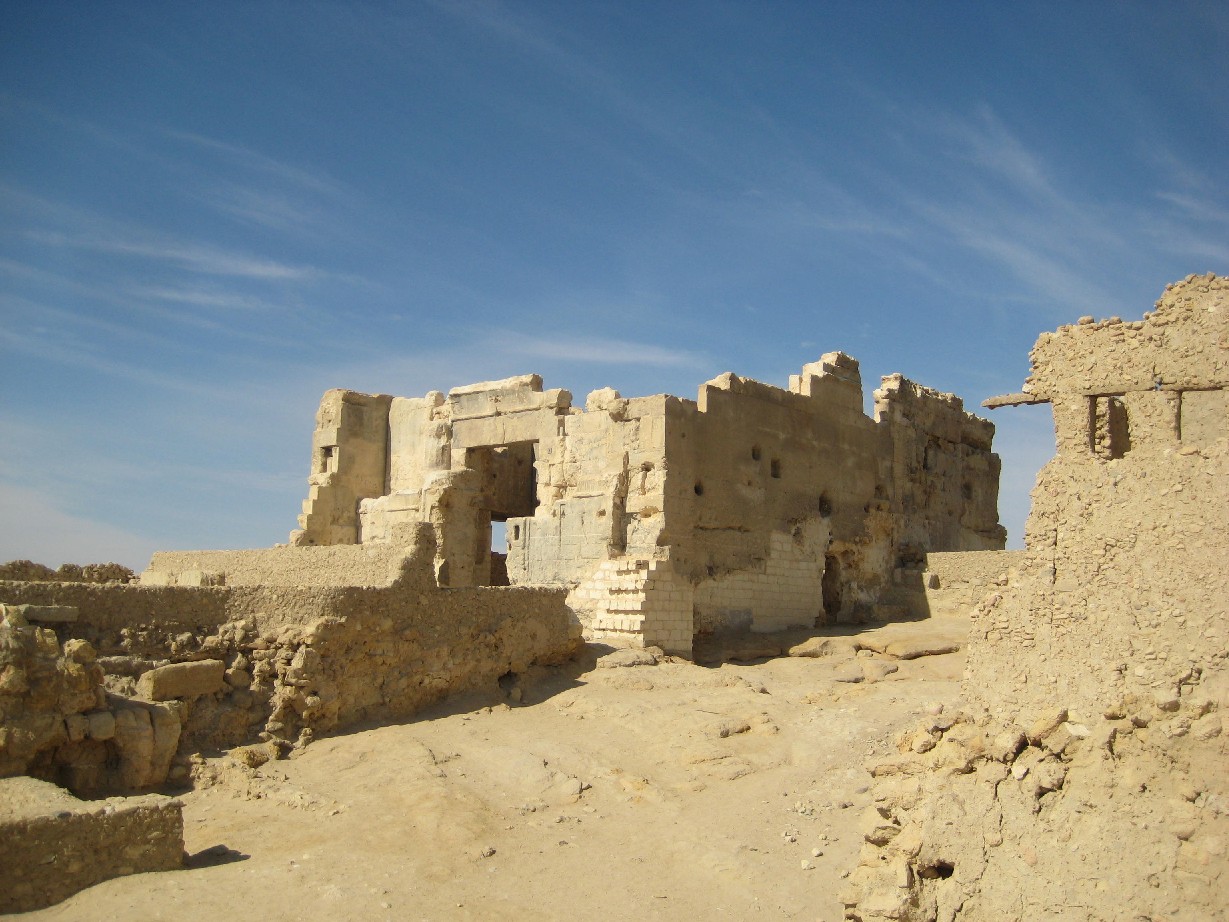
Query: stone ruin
x: 1088, y: 776
x: 1084, y: 777
x: 641, y: 522
x: 752, y: 507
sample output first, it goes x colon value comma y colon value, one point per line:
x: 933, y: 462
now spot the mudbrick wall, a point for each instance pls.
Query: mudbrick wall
x: 1088, y: 774
x: 120, y: 697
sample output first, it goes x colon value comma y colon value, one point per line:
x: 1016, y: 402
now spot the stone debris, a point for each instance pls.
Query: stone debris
x: 625, y: 658
x: 1085, y: 776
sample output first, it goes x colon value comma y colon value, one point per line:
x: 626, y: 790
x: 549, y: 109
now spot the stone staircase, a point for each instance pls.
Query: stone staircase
x: 636, y: 602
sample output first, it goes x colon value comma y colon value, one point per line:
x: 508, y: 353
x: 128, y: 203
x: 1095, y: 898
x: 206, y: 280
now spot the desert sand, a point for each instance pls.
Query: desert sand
x: 668, y: 790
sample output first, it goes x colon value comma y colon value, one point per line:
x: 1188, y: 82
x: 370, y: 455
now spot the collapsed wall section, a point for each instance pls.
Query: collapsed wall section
x: 1085, y: 777
x: 140, y: 677
x: 1126, y: 590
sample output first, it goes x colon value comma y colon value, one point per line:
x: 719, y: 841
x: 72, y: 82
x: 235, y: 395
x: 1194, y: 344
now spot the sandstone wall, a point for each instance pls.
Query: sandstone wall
x: 801, y: 507
x: 53, y: 845
x: 91, y: 702
x: 349, y: 463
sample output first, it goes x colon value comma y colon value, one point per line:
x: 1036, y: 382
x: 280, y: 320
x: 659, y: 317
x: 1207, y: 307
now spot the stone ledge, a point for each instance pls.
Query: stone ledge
x: 52, y: 845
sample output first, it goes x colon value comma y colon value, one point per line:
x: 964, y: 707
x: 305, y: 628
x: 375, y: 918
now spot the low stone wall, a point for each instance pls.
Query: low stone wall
x: 233, y: 665
x: 53, y: 845
x: 335, y: 565
x: 958, y: 569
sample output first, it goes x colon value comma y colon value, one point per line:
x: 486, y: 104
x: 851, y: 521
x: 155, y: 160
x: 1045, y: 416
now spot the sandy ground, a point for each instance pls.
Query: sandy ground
x: 668, y: 791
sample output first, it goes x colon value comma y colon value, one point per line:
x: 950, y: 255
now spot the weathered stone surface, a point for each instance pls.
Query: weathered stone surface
x: 1108, y: 643
x: 52, y: 844
x: 46, y: 614
x: 751, y: 508
x: 182, y: 680
x: 912, y: 649
x: 623, y: 658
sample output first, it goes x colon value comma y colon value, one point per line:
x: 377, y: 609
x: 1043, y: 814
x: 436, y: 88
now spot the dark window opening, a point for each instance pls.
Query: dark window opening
x: 755, y: 453
x: 328, y: 459
x: 774, y: 468
x: 699, y: 488
x: 830, y: 587
x: 1109, y: 429
x: 825, y: 505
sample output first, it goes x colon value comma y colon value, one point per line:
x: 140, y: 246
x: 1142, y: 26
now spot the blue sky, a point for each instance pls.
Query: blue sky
x: 212, y: 212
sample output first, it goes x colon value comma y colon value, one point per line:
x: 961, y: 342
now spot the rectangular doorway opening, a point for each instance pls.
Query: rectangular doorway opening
x: 509, y: 490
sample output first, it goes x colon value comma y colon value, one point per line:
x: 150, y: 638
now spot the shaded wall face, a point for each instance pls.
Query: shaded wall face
x: 765, y: 486
x: 945, y: 477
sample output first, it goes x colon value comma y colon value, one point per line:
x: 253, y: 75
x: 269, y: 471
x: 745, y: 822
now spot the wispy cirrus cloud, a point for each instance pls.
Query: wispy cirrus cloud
x: 255, y: 161
x: 200, y: 258
x: 593, y: 350
x: 203, y: 297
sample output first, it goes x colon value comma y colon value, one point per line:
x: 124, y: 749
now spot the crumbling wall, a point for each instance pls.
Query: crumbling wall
x: 53, y: 845
x: 144, y: 676
x: 1085, y: 778
x: 1126, y: 554
x: 801, y: 506
x: 349, y: 463
x: 944, y: 475
x: 779, y: 508
x: 30, y: 571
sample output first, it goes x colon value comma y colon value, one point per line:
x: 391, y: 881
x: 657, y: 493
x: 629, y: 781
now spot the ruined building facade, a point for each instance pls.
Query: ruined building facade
x: 750, y: 507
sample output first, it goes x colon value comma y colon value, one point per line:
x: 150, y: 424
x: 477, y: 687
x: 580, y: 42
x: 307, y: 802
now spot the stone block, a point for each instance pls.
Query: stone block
x: 45, y: 614
x: 75, y: 726
x: 183, y: 680
x: 101, y: 725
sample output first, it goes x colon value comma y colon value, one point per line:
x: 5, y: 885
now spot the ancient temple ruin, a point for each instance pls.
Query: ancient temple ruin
x: 750, y: 507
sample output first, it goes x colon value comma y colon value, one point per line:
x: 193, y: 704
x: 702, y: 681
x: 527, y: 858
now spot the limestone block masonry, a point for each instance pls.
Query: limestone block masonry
x: 752, y: 507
